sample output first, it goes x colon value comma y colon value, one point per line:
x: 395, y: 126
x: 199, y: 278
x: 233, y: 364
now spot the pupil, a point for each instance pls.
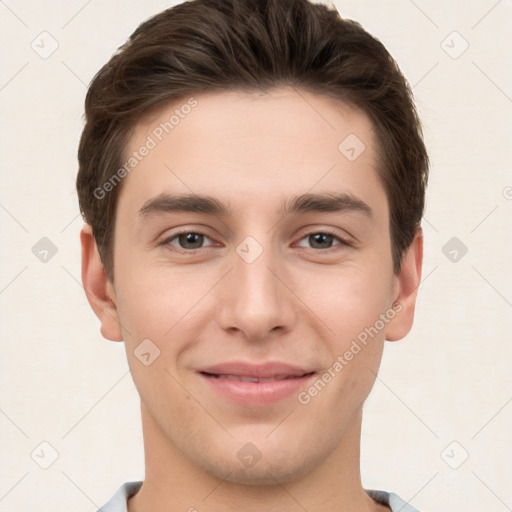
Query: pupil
x: 322, y: 238
x: 191, y: 238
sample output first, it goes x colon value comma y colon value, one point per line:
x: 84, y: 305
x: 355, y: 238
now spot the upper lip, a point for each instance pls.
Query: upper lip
x: 267, y: 370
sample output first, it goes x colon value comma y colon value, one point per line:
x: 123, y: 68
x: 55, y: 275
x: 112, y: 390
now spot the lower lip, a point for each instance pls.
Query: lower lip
x: 257, y: 393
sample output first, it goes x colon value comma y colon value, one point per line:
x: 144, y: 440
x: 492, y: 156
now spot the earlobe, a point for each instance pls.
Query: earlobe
x: 99, y: 291
x: 409, y: 279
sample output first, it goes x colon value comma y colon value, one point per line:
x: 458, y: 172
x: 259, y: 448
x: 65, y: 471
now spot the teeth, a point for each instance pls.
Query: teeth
x: 243, y: 379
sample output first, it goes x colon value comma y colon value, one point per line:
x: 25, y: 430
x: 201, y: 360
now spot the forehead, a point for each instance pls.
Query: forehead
x: 245, y: 148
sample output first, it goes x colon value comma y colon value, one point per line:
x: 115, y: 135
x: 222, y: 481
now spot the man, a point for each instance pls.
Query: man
x: 252, y: 177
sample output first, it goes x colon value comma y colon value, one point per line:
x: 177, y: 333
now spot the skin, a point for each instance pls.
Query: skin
x: 298, y: 302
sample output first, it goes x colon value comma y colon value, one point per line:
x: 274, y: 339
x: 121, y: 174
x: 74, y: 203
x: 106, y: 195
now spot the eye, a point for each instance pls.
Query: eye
x: 187, y: 240
x: 324, y: 239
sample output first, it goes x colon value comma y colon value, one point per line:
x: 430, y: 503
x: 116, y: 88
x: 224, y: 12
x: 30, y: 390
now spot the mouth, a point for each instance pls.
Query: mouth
x: 255, y: 384
x: 253, y: 379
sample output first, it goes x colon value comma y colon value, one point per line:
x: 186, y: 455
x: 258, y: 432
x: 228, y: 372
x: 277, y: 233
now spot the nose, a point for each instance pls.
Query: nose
x: 257, y: 301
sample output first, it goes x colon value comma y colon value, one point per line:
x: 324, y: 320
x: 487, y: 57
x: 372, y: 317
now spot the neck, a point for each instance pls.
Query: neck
x: 173, y: 483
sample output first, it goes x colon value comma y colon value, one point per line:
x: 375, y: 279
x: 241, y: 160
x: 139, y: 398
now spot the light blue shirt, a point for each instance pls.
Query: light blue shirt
x: 118, y: 503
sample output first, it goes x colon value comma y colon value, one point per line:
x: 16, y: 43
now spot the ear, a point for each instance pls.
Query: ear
x: 407, y: 280
x: 98, y: 289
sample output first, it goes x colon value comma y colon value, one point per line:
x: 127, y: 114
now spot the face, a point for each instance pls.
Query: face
x: 254, y: 310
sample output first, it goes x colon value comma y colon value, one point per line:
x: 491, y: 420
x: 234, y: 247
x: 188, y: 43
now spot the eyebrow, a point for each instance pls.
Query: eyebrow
x: 324, y: 202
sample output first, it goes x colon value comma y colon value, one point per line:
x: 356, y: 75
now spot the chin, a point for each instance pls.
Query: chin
x: 261, y: 475
x: 275, y: 467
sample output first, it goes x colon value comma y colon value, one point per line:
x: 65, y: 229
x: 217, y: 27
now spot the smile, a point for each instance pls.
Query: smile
x: 251, y: 385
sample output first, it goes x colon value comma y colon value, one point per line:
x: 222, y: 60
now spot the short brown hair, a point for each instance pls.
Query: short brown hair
x: 250, y: 45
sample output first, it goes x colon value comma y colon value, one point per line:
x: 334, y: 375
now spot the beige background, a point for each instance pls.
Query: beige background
x: 443, y: 393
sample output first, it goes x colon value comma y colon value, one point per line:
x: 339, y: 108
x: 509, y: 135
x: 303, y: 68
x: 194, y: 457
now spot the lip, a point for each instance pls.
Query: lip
x: 255, y: 384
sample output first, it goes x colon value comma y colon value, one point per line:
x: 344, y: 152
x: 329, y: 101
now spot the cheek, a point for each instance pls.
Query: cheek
x: 353, y: 311
x: 350, y: 302
x: 154, y: 302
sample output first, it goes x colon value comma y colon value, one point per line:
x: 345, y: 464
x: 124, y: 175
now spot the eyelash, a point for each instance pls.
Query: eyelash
x: 327, y: 231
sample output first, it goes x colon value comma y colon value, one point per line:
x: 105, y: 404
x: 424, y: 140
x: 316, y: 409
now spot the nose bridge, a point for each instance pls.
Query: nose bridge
x: 257, y: 301
x: 258, y: 284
